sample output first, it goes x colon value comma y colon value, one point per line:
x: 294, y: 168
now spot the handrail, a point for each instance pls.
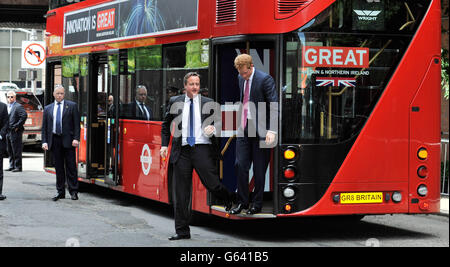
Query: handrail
x: 225, y: 148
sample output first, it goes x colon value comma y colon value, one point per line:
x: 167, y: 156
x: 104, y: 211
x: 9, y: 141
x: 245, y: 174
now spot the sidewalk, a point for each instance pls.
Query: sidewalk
x: 444, y: 205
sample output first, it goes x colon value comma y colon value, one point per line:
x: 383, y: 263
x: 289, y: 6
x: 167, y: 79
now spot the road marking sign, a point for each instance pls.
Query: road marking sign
x: 33, y: 55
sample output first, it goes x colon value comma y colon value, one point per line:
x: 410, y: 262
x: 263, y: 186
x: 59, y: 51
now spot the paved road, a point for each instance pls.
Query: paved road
x: 102, y: 217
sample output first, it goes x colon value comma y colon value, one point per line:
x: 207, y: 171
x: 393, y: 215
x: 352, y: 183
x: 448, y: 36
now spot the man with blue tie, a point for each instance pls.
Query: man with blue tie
x: 61, y: 136
x: 193, y: 147
x: 17, y: 118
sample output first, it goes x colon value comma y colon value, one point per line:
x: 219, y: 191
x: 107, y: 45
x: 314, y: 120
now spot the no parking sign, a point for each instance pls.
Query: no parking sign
x: 33, y: 55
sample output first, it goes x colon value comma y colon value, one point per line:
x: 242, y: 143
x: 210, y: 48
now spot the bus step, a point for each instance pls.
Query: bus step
x: 261, y: 215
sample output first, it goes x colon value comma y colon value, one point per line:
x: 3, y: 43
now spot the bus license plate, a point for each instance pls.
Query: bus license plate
x: 361, y: 198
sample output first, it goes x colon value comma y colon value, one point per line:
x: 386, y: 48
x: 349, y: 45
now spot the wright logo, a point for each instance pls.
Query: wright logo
x: 367, y: 15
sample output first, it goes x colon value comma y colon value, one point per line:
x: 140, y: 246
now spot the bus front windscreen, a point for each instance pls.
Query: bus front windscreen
x: 337, y: 66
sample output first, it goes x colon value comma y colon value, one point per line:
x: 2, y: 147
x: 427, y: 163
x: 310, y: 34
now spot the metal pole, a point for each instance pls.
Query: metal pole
x: 10, y: 54
x: 445, y: 169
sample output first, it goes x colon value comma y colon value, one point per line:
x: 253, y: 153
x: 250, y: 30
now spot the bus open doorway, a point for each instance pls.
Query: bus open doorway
x: 225, y: 51
x: 102, y: 119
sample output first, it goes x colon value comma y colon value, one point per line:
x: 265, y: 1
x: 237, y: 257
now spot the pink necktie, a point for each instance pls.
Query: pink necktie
x: 245, y: 107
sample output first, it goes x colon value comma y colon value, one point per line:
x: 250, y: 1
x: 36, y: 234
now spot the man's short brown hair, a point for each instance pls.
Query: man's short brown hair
x: 243, y: 60
x: 189, y: 75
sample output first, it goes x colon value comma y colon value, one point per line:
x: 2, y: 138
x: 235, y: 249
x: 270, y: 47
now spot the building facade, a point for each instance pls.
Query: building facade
x: 11, y: 55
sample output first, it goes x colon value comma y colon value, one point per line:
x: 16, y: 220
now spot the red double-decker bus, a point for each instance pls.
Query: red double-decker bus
x: 358, y: 83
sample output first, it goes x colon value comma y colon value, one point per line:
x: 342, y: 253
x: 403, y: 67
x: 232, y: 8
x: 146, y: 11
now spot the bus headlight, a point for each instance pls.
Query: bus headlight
x: 289, y: 192
x: 422, y: 190
x: 397, y: 197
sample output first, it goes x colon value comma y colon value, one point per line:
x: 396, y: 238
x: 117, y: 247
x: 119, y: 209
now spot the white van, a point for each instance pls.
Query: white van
x: 8, y: 86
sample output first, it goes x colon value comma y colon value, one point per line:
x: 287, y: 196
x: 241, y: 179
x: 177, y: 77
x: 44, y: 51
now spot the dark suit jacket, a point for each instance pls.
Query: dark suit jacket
x: 169, y: 118
x: 17, y: 118
x: 4, y: 124
x: 262, y: 90
x: 134, y: 112
x: 70, y: 124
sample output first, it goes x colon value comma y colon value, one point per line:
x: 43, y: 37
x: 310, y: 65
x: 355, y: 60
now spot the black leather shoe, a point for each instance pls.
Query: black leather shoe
x: 2, y: 197
x: 9, y: 169
x: 58, y: 197
x: 74, y: 196
x: 16, y: 170
x: 228, y: 205
x: 253, y: 210
x: 178, y: 237
x: 238, y: 209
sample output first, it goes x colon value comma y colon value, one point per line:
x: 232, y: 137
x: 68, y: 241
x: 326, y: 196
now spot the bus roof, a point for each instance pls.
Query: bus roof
x: 93, y: 25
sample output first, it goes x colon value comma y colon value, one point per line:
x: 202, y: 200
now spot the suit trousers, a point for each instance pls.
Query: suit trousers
x: 198, y: 157
x: 248, y: 152
x: 1, y: 174
x: 65, y: 166
x: 14, y: 147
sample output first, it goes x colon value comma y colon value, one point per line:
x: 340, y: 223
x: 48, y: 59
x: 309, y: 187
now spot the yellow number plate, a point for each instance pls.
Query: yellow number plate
x: 357, y: 198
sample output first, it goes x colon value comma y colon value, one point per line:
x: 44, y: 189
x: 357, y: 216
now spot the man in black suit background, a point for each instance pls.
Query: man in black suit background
x: 193, y: 147
x: 61, y: 135
x: 17, y: 118
x: 138, y: 109
x: 3, y: 130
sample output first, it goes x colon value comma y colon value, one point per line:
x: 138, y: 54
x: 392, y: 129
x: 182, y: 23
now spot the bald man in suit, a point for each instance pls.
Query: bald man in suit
x: 61, y: 135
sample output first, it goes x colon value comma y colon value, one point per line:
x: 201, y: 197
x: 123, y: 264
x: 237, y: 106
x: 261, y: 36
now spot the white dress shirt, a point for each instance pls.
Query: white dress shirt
x: 55, y: 109
x: 10, y: 106
x: 145, y: 111
x: 200, y: 137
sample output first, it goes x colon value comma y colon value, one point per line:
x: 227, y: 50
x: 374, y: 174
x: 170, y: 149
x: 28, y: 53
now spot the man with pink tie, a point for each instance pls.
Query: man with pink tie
x: 258, y: 131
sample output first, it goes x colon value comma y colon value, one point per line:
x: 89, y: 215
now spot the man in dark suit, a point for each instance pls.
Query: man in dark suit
x: 17, y: 118
x: 193, y: 147
x: 3, y: 130
x: 61, y: 135
x: 257, y: 131
x: 138, y: 109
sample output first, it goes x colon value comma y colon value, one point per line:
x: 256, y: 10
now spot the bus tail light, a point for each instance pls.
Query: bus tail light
x: 422, y: 153
x: 422, y: 171
x: 289, y: 173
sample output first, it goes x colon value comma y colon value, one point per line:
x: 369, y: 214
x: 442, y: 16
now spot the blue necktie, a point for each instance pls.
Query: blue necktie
x: 58, y: 119
x: 191, y: 136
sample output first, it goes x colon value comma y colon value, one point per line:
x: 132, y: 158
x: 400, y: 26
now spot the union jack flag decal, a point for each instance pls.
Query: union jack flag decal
x: 336, y: 81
